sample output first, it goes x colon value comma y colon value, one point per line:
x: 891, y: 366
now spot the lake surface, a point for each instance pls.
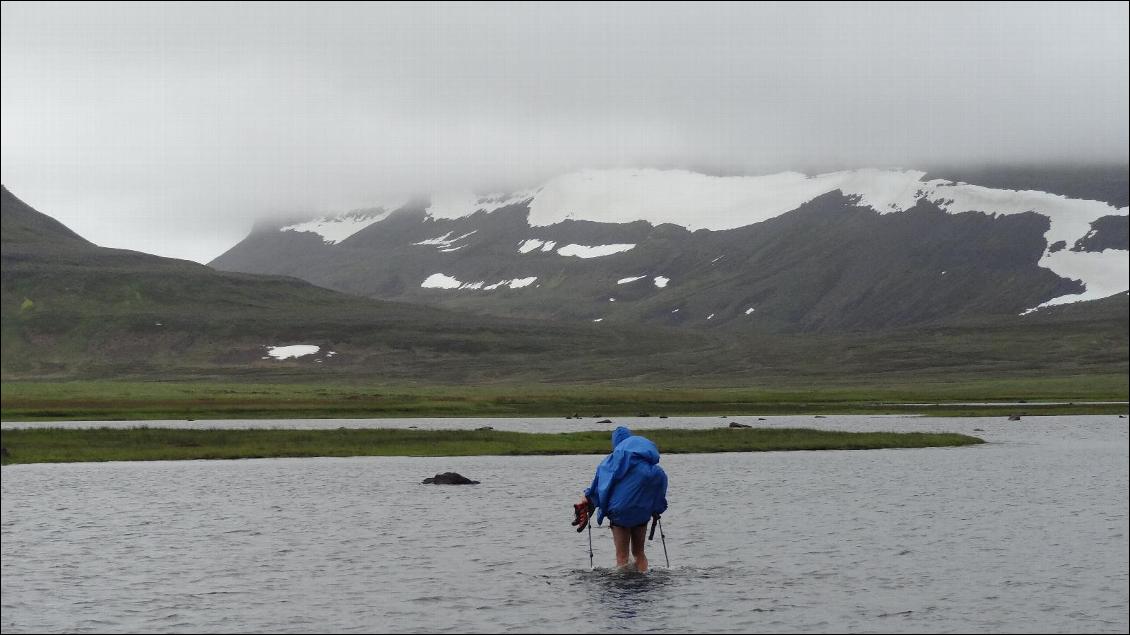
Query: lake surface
x: 1025, y: 534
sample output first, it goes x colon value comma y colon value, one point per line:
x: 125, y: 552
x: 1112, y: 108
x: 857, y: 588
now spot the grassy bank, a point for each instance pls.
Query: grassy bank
x: 55, y: 445
x: 133, y: 400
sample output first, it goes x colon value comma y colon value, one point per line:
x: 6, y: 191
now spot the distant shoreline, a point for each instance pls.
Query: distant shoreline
x: 57, y: 445
x: 201, y: 400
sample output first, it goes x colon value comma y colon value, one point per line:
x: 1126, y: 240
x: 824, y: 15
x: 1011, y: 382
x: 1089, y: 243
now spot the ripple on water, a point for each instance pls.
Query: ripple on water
x: 1025, y: 534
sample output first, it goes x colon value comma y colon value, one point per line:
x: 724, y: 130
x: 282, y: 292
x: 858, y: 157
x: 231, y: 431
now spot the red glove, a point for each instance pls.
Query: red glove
x: 581, y: 513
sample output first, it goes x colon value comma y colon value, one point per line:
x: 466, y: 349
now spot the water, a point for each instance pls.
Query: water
x: 1025, y: 534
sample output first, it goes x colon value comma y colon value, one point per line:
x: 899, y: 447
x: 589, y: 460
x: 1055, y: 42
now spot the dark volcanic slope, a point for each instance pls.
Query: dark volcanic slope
x: 831, y: 265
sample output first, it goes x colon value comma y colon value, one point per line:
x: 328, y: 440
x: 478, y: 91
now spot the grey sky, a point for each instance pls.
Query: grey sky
x: 170, y: 128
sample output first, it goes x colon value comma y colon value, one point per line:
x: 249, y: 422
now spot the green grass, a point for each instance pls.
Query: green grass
x: 133, y: 400
x: 55, y: 445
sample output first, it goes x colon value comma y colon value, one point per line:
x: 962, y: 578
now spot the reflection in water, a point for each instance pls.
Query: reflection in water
x: 624, y: 594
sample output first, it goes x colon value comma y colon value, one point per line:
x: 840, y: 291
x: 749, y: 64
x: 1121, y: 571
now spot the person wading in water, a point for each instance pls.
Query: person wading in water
x: 629, y: 488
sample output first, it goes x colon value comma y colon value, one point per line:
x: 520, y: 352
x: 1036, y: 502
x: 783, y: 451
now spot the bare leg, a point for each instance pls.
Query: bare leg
x: 621, y: 537
x: 638, y: 536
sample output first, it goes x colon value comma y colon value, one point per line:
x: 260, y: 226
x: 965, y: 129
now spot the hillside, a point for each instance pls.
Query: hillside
x: 75, y: 310
x: 71, y: 308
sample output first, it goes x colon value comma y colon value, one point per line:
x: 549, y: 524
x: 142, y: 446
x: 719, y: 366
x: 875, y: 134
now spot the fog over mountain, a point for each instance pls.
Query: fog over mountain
x: 172, y: 128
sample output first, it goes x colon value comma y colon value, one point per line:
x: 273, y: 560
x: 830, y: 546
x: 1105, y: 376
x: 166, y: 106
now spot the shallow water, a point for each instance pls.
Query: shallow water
x: 1025, y: 534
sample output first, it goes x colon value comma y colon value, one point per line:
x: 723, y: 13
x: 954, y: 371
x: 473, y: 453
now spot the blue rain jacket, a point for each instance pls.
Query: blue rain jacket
x: 629, y: 486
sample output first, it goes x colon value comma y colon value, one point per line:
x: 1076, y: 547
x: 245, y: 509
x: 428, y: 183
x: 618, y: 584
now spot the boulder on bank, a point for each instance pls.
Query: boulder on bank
x: 4, y: 452
x: 735, y: 424
x: 449, y: 478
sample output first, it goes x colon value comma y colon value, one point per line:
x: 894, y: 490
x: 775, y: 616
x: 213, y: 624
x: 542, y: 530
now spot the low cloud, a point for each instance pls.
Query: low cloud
x: 171, y: 128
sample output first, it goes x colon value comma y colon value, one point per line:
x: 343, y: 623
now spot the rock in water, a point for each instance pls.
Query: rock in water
x: 484, y: 429
x: 449, y: 478
x: 605, y: 421
x: 735, y: 424
x: 1014, y: 418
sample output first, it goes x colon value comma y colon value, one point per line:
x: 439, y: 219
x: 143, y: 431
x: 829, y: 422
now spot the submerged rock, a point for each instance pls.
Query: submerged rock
x: 735, y: 424
x: 449, y: 478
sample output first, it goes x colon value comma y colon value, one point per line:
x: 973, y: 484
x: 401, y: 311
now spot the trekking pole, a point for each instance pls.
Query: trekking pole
x: 590, y: 545
x: 664, y: 539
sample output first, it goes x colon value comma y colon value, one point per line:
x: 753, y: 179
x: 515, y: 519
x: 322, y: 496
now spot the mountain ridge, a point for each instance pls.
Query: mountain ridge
x: 884, y: 245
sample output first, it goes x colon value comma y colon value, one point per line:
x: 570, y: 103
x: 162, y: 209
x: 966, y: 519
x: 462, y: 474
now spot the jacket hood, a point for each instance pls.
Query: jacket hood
x: 619, y: 434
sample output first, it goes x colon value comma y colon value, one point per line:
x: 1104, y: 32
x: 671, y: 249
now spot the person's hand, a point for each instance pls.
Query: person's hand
x: 581, y: 515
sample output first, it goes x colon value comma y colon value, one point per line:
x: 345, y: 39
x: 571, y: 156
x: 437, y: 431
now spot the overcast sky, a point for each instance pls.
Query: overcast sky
x: 170, y: 128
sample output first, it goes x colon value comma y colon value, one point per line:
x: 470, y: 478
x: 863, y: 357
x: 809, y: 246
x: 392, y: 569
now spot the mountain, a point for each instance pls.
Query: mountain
x: 841, y: 252
x: 73, y: 309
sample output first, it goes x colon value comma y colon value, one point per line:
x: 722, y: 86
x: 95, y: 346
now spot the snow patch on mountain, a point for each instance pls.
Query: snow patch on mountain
x: 445, y: 242
x: 661, y: 281
x: 699, y: 201
x: 627, y: 280
x: 594, y: 251
x: 335, y: 228
x: 459, y: 204
x: 294, y: 350
x: 444, y: 281
x: 440, y: 281
x: 526, y: 246
x: 1103, y: 273
x: 518, y: 283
